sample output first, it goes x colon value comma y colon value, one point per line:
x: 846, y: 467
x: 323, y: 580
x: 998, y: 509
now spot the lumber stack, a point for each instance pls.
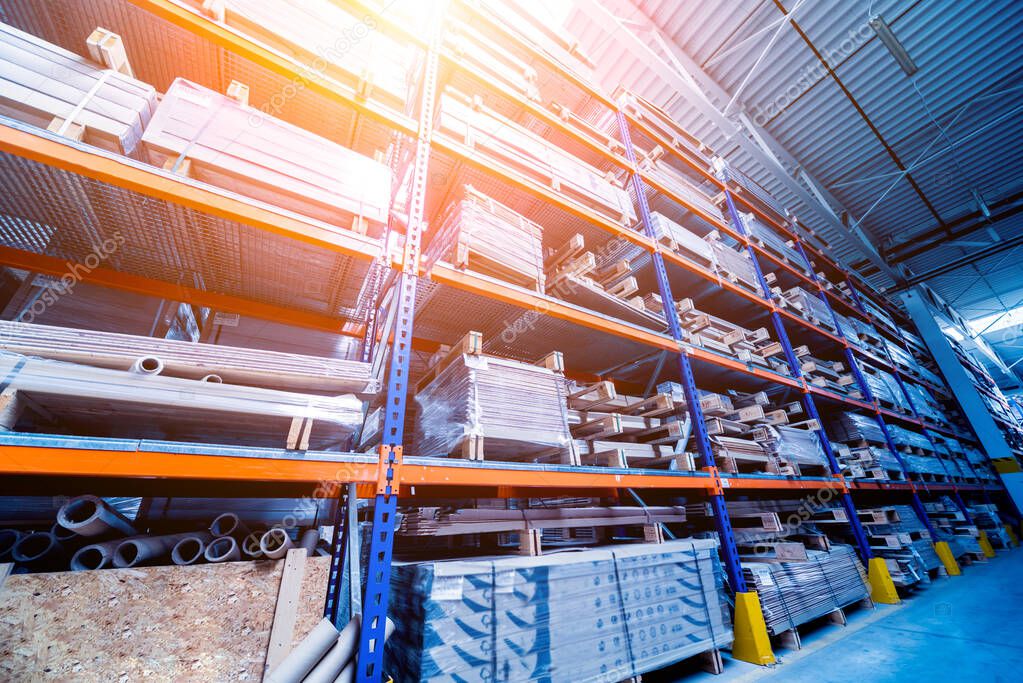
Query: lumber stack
x: 832, y: 375
x: 211, y: 137
x: 794, y: 593
x: 479, y: 234
x: 480, y: 407
x: 48, y: 87
x: 951, y: 526
x: 470, y: 122
x: 755, y: 347
x: 229, y: 364
x: 529, y: 618
x: 866, y: 461
x: 663, y: 125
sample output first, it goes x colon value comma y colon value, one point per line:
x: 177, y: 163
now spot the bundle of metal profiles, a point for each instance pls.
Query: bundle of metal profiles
x: 226, y: 143
x: 444, y: 521
x: 905, y: 544
x: 531, y: 618
x: 793, y: 593
x: 229, y: 364
x: 343, y: 46
x: 529, y: 153
x: 484, y: 407
x: 486, y: 237
x: 90, y: 401
x: 48, y: 87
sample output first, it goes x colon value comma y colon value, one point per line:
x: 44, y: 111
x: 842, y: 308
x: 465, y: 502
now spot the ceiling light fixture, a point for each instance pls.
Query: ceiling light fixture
x: 884, y: 32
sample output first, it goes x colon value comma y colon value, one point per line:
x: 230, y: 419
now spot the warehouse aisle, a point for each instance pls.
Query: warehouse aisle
x: 966, y: 627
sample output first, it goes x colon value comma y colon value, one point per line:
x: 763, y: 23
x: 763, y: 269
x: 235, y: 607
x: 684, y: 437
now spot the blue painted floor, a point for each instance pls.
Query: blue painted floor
x: 964, y: 628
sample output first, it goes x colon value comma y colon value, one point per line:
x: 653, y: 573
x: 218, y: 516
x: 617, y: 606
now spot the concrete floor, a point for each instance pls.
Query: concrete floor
x: 964, y: 628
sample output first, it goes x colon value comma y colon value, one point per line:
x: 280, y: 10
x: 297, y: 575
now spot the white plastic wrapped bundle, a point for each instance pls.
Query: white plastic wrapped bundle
x: 239, y: 148
x: 793, y: 593
x: 924, y: 402
x: 40, y: 82
x: 600, y: 615
x: 908, y: 438
x: 487, y: 237
x: 502, y: 408
x: 801, y: 446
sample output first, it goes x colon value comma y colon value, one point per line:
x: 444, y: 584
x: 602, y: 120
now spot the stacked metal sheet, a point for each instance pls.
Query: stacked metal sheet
x: 682, y: 187
x: 926, y: 406
x: 851, y: 427
x: 231, y: 145
x: 487, y: 237
x: 596, y: 615
x: 773, y: 241
x: 793, y: 593
x: 884, y: 386
x: 905, y: 544
x: 987, y: 519
x: 49, y: 87
x: 683, y: 240
x: 529, y: 153
x: 502, y: 408
x: 735, y: 266
x: 809, y: 306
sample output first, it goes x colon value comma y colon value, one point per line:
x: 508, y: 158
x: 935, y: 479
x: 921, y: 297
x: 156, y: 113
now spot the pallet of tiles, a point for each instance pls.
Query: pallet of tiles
x: 338, y: 44
x: 48, y: 87
x: 529, y: 618
x: 210, y: 137
x: 794, y: 593
x: 478, y: 234
x: 477, y: 407
x: 471, y: 123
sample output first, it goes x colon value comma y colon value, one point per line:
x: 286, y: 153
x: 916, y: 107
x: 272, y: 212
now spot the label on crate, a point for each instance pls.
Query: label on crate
x: 226, y: 319
x: 447, y: 588
x: 763, y: 574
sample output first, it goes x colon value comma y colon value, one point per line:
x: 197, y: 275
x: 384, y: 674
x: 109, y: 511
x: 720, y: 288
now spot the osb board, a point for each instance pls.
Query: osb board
x: 197, y: 623
x: 313, y: 592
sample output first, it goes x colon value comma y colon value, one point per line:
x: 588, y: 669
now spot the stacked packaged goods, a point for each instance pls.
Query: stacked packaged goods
x: 793, y: 593
x: 898, y: 535
x: 631, y: 609
x: 48, y: 87
x: 772, y: 241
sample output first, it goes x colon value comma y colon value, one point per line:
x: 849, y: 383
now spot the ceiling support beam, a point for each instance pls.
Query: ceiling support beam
x: 672, y: 73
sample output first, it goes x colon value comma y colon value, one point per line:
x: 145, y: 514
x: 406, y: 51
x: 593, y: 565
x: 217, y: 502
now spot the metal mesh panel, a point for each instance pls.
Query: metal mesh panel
x: 168, y: 242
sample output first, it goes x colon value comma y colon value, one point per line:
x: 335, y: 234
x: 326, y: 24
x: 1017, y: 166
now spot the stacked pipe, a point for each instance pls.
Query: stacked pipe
x: 326, y: 655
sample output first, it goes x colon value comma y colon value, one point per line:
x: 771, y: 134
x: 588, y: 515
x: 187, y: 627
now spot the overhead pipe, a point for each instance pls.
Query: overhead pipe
x: 309, y: 540
x: 191, y: 548
x: 147, y: 365
x: 228, y: 524
x: 276, y: 543
x: 135, y: 551
x: 222, y: 549
x: 39, y: 550
x: 8, y: 539
x: 301, y: 660
x: 91, y: 516
x: 251, y: 547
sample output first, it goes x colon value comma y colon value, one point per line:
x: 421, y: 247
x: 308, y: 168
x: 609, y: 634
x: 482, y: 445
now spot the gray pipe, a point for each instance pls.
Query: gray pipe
x: 39, y: 550
x: 301, y: 660
x: 63, y: 535
x: 337, y: 657
x: 276, y: 543
x: 222, y: 549
x: 347, y: 674
x: 8, y: 538
x: 135, y: 551
x: 91, y: 516
x: 190, y: 549
x: 228, y: 524
x: 250, y: 545
x: 95, y: 556
x: 309, y: 540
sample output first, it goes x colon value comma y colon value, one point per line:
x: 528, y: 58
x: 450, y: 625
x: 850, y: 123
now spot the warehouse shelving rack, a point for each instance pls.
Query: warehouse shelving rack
x: 390, y: 473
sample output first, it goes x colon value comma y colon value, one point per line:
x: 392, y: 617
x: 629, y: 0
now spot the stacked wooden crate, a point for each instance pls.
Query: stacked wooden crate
x: 754, y: 347
x: 479, y: 234
x: 48, y: 87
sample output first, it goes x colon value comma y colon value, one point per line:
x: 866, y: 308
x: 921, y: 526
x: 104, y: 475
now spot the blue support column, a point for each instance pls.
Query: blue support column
x: 729, y: 551
x: 809, y: 405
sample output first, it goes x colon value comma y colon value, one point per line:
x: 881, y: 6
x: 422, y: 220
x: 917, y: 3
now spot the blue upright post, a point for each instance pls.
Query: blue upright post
x: 809, y: 405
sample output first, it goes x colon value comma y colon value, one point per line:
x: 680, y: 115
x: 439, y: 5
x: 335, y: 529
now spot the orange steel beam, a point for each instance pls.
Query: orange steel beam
x: 160, y: 185
x: 114, y: 279
x: 274, y: 61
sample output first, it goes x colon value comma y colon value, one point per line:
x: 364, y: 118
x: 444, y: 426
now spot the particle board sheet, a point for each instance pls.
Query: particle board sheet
x: 241, y: 149
x: 161, y: 52
x: 558, y: 617
x: 41, y: 83
x: 189, y: 360
x: 516, y: 409
x: 530, y: 154
x: 85, y: 221
x: 793, y: 593
x: 485, y: 236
